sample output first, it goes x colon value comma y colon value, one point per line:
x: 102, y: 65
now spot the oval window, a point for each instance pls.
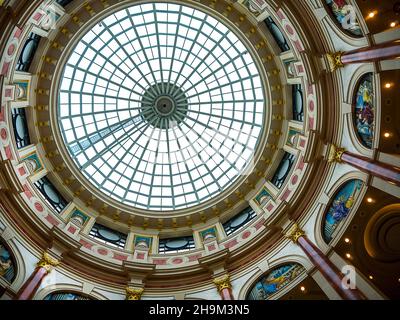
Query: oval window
x: 51, y: 193
x: 20, y: 126
x: 176, y: 243
x: 108, y: 235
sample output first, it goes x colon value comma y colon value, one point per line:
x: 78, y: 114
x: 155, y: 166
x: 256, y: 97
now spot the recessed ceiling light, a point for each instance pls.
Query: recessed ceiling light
x: 371, y: 14
x: 388, y: 85
x: 348, y: 255
x: 347, y: 240
x: 393, y: 24
x: 386, y: 135
x: 302, y: 288
x: 371, y: 277
x: 370, y: 200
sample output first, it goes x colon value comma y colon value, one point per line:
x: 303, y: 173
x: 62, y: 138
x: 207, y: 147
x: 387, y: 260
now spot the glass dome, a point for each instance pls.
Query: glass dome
x: 161, y: 106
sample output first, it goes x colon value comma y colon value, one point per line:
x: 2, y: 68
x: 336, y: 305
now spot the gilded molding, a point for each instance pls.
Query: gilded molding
x: 335, y: 60
x: 295, y: 233
x: 134, y: 293
x: 223, y: 283
x: 335, y: 154
x: 47, y: 262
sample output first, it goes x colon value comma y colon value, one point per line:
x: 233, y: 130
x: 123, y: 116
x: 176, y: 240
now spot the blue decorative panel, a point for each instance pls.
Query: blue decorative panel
x: 275, y: 281
x: 262, y: 197
x: 277, y: 34
x: 344, y: 16
x: 78, y: 214
x: 65, y: 296
x: 364, y: 110
x: 239, y: 221
x: 208, y: 232
x: 33, y: 162
x: 340, y: 207
x: 7, y: 264
x: 139, y: 239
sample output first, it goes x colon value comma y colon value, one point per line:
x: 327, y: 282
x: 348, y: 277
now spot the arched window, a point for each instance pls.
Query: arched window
x: 7, y: 263
x: 274, y: 281
x: 65, y: 296
x: 340, y: 207
x: 364, y: 110
x: 344, y: 16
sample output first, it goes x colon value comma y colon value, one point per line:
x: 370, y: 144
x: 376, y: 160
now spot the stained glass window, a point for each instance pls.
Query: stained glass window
x: 161, y: 106
x: 7, y: 264
x: 345, y: 16
x: 364, y: 110
x: 274, y: 281
x: 65, y: 296
x: 340, y: 207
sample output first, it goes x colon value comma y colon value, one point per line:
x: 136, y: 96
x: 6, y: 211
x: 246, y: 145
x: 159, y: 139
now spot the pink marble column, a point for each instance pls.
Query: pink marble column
x: 33, y: 283
x: 385, y: 51
x: 378, y: 169
x: 328, y: 270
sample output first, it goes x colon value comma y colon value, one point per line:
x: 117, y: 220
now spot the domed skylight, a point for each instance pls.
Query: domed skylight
x: 161, y: 106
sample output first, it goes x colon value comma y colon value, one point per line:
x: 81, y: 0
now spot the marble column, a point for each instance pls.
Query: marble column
x: 328, y: 270
x: 384, y: 51
x: 375, y: 168
x: 43, y: 268
x: 224, y: 287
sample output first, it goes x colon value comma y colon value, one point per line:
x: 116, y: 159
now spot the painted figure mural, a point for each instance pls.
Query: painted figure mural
x: 364, y: 110
x: 340, y: 207
x: 7, y: 268
x: 65, y: 296
x: 345, y: 15
x: 275, y: 281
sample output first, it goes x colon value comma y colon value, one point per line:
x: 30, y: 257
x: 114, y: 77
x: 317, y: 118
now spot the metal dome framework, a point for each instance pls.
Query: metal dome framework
x: 161, y: 106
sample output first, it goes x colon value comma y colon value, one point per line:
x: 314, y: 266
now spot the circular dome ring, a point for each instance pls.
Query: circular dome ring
x: 199, y: 123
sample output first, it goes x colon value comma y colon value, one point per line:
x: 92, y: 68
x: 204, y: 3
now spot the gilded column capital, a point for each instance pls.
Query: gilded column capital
x: 47, y: 262
x: 335, y: 154
x: 335, y: 60
x: 295, y: 233
x: 134, y: 293
x: 223, y: 282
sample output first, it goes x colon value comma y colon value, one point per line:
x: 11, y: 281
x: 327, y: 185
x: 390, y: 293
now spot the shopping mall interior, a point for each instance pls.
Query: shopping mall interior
x: 199, y: 150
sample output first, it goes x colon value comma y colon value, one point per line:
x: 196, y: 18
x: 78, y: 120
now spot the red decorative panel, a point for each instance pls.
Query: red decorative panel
x: 160, y: 261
